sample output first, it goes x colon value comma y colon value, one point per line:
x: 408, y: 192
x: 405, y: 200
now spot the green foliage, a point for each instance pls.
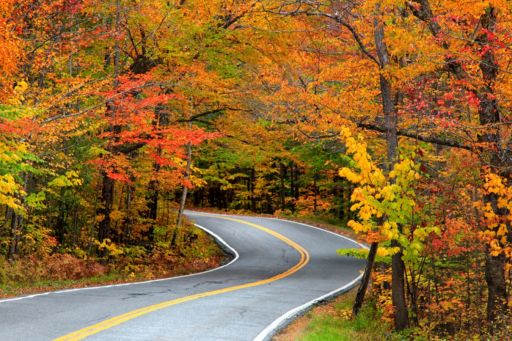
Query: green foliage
x: 363, y: 254
x: 335, y: 323
x: 386, y: 203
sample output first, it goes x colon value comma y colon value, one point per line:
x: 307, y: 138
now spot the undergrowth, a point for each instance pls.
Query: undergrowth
x: 42, y: 272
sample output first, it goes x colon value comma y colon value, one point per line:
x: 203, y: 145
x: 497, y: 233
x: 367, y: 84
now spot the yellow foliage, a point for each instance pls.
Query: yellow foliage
x: 9, y: 190
x: 497, y: 220
x: 384, y: 205
x: 109, y: 246
x: 116, y: 215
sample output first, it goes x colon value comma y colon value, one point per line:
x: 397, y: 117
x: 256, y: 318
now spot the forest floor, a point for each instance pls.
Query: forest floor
x: 42, y: 273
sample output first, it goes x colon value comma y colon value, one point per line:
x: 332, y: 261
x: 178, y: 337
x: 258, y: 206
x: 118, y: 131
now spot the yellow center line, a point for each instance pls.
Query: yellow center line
x: 117, y: 320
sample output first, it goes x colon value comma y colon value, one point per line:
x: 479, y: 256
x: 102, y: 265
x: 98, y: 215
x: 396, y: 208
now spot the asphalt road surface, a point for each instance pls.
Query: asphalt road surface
x: 279, y: 268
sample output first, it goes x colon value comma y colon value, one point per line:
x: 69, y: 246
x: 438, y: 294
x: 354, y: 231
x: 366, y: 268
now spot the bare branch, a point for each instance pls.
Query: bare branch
x: 335, y: 16
x: 438, y: 140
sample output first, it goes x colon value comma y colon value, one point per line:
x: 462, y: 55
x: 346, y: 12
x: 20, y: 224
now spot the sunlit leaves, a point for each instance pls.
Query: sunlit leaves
x: 385, y: 205
x: 9, y: 191
x: 497, y: 214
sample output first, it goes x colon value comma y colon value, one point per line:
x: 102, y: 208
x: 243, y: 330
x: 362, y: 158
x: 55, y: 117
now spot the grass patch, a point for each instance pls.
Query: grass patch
x: 333, y: 321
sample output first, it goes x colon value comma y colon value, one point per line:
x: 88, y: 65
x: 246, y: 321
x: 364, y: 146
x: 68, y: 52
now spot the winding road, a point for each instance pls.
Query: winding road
x: 279, y: 269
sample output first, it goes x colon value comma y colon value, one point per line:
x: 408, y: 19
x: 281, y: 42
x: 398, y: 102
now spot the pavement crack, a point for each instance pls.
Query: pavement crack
x: 137, y: 294
x: 208, y: 282
x: 242, y: 312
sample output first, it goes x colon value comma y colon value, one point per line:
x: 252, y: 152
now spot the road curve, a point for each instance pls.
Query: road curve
x: 279, y: 268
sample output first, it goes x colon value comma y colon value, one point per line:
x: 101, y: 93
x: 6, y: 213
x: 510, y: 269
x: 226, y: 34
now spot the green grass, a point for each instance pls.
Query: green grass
x: 333, y: 322
x: 367, y: 326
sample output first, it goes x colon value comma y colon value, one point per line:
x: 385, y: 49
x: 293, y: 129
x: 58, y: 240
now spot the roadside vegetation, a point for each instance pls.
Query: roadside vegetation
x: 42, y: 271
x: 391, y: 118
x: 333, y: 322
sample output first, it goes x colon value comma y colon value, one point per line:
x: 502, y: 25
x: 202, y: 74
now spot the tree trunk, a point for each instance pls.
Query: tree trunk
x: 183, y: 195
x: 128, y: 222
x: 107, y: 190
x: 162, y: 120
x: 17, y: 221
x: 15, y: 236
x: 292, y: 185
x: 107, y: 202
x: 152, y: 202
x: 9, y: 215
x: 398, y: 270
x: 282, y: 194
x: 296, y: 187
x: 391, y: 119
x: 315, y: 193
x: 398, y: 289
x: 497, y: 286
x: 252, y: 180
x: 488, y: 113
x: 61, y: 225
x: 361, y: 292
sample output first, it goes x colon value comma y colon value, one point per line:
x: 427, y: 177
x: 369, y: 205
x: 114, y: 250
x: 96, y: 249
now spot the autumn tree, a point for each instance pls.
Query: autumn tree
x: 475, y: 65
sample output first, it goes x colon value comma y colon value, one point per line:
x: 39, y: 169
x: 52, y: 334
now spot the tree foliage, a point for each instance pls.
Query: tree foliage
x: 391, y: 117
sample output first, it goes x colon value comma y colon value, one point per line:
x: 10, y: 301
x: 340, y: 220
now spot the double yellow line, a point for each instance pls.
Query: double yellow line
x: 117, y: 320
